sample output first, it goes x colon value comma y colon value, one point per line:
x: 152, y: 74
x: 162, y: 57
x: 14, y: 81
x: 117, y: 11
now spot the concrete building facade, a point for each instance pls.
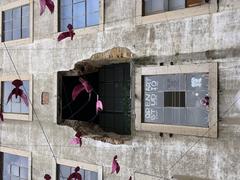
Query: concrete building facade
x: 199, y: 39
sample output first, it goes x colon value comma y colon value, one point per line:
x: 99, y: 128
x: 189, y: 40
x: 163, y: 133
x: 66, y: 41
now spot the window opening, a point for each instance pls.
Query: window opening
x: 112, y: 84
x: 79, y: 13
x: 16, y: 23
x: 159, y: 6
x: 13, y: 167
x: 67, y: 170
x: 15, y: 105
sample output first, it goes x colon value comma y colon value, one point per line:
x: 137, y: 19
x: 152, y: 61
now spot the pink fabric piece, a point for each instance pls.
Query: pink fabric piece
x: 78, y: 135
x: 115, y: 165
x: 48, y: 3
x: 205, y: 101
x: 47, y: 177
x: 77, y: 90
x: 70, y: 33
x: 80, y: 87
x: 99, y: 105
x: 75, y: 141
x: 86, y: 85
x: 18, y: 92
x: 76, y: 175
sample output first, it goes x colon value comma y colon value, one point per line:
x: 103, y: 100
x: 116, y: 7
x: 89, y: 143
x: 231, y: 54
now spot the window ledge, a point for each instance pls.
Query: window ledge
x: 15, y: 116
x: 15, y: 152
x: 182, y: 130
x: 11, y: 5
x: 18, y: 42
x: 89, y: 30
x: 177, y: 14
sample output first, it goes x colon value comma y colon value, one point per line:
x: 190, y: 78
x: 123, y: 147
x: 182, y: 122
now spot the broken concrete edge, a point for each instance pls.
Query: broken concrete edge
x: 93, y: 131
x: 111, y: 56
x: 118, y: 55
x: 90, y: 130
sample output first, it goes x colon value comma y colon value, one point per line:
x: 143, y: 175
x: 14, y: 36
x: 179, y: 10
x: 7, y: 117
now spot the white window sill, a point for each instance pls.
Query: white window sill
x: 177, y: 14
x: 18, y: 42
x: 16, y: 116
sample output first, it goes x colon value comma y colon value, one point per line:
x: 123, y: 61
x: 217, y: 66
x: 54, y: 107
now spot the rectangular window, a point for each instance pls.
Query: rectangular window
x: 79, y: 13
x: 179, y: 99
x: 15, y: 23
x: 13, y: 166
x: 174, y: 98
x: 158, y: 6
x: 16, y: 108
x: 64, y: 171
x: 15, y: 105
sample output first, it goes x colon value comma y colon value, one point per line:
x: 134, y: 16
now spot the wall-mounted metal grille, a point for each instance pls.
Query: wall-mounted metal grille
x: 114, y: 89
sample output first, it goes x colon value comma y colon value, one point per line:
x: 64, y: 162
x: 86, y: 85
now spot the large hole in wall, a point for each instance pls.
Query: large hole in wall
x: 112, y: 83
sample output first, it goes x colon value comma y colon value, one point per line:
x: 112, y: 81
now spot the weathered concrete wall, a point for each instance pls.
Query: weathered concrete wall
x: 206, y: 38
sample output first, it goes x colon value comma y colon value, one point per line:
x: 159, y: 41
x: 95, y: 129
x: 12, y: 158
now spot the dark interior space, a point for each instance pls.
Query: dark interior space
x: 174, y: 99
x: 112, y: 84
x: 81, y: 108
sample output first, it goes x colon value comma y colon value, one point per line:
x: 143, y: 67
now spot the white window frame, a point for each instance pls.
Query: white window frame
x: 12, y: 5
x: 90, y: 167
x: 206, y: 8
x: 19, y: 116
x: 86, y: 30
x: 19, y: 153
x: 210, y: 68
